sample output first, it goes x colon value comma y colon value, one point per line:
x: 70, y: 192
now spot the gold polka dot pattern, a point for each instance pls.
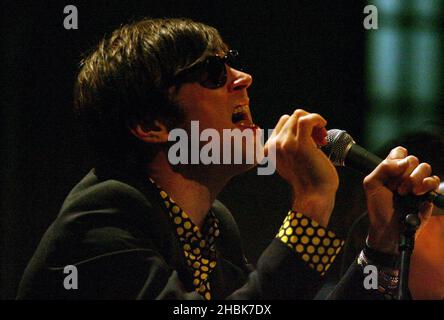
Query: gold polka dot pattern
x: 314, y: 244
x: 198, y: 247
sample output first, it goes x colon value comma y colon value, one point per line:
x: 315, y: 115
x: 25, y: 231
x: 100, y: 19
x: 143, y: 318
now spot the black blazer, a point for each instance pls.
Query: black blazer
x: 113, y: 229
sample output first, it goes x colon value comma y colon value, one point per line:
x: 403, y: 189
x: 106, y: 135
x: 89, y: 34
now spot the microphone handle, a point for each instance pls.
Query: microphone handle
x: 361, y: 159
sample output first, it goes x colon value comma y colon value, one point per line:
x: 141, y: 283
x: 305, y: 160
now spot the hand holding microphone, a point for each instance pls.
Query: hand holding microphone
x: 343, y: 151
x: 311, y: 175
x: 399, y: 173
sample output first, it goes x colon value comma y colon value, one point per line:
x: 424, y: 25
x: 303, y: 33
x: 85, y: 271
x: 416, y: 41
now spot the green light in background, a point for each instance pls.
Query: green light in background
x: 404, y: 69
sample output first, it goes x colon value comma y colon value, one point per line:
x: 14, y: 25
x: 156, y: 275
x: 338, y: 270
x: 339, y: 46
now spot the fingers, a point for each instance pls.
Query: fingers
x: 428, y: 184
x: 292, y: 124
x: 271, y: 142
x: 413, y: 178
x: 403, y: 174
x: 303, y: 126
x: 398, y: 153
x: 385, y: 172
x: 320, y: 136
x: 307, y: 125
x: 279, y: 125
x: 436, y: 181
x: 419, y: 181
x: 404, y: 184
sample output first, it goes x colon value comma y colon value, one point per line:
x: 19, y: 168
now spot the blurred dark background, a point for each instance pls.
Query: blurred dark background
x: 311, y: 54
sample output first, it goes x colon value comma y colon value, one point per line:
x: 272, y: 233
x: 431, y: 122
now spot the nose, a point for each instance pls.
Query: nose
x: 239, y: 80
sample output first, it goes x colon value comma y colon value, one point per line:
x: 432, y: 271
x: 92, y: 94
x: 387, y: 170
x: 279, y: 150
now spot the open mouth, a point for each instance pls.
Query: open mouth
x: 241, y: 115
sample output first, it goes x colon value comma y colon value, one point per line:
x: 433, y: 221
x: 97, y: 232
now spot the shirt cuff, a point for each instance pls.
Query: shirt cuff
x: 317, y: 246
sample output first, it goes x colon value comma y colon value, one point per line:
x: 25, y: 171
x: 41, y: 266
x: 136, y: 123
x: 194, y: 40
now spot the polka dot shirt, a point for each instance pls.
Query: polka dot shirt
x: 198, y: 245
x: 317, y: 246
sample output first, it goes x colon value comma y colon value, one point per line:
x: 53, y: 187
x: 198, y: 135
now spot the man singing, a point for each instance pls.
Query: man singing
x: 139, y: 227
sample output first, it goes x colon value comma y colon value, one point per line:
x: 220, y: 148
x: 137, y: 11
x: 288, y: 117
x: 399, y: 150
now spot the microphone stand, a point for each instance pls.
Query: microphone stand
x: 410, y: 222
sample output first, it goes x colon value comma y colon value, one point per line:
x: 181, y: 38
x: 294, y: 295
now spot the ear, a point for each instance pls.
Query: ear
x: 155, y: 132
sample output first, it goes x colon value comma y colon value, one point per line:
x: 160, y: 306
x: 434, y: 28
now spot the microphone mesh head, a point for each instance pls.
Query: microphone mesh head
x: 339, y: 143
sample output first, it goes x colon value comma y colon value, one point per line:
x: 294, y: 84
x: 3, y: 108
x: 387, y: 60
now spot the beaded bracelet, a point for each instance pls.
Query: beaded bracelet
x: 388, y: 278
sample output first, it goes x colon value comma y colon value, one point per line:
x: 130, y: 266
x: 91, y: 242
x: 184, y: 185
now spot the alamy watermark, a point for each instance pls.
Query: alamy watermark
x: 235, y: 146
x: 71, y: 20
x: 71, y: 281
x: 371, y: 19
x: 371, y: 278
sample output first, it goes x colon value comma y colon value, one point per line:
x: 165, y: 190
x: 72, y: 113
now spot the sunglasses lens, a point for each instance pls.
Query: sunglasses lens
x: 233, y: 60
x: 215, y: 74
x: 212, y: 73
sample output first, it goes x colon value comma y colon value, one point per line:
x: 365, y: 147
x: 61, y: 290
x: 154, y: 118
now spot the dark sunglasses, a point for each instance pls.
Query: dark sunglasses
x: 212, y: 72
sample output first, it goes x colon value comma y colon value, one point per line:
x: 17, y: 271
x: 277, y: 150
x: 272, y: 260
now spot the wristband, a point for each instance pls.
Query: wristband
x: 380, y: 258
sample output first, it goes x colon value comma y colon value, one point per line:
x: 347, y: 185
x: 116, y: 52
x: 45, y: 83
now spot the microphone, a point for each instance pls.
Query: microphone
x: 343, y: 151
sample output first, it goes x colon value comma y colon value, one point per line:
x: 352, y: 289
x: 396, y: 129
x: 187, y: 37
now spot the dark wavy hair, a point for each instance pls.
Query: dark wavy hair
x: 124, y: 81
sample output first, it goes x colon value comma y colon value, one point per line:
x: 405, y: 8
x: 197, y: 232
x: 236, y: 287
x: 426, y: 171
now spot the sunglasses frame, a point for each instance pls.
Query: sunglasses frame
x: 210, y: 73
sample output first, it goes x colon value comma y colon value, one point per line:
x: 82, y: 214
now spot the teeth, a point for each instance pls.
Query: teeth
x: 241, y: 109
x: 241, y: 113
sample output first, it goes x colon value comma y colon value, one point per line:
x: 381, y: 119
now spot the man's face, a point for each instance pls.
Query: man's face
x: 226, y: 107
x: 214, y: 108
